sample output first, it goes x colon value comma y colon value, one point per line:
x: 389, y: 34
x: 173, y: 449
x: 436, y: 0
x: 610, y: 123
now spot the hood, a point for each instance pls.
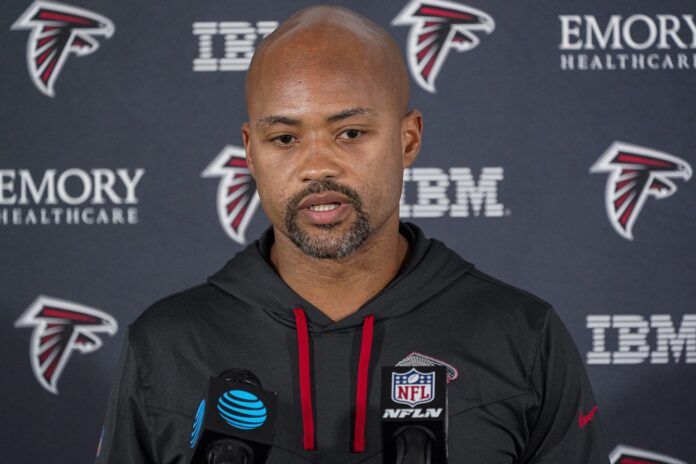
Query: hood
x: 250, y: 276
x: 429, y: 266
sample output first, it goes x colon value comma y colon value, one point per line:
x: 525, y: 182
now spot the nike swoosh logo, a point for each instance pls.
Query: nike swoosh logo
x: 585, y: 419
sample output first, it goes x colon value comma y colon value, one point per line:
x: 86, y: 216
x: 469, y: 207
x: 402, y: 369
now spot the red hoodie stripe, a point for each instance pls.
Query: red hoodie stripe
x: 305, y: 379
x: 361, y: 390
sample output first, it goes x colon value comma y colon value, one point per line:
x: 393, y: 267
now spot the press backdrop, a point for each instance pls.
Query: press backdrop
x: 559, y: 140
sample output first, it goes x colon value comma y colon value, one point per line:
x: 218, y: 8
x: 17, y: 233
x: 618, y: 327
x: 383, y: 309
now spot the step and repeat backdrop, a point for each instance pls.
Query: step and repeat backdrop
x: 560, y: 138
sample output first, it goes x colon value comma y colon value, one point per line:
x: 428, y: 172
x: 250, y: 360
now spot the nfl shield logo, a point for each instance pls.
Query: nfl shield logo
x: 413, y: 387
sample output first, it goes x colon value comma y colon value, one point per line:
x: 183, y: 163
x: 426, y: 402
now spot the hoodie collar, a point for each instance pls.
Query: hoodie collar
x: 428, y: 268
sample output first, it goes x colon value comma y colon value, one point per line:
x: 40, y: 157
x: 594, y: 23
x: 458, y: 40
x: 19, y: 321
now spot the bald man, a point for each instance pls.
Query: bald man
x: 337, y: 287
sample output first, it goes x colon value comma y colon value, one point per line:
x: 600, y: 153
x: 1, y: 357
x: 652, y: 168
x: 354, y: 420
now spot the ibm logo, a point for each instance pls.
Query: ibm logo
x: 239, y: 38
x: 471, y: 197
x: 632, y: 335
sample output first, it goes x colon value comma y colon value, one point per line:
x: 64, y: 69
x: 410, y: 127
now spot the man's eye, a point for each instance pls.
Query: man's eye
x: 352, y: 133
x: 284, y: 139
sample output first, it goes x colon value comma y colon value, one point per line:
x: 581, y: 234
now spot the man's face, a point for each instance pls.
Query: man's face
x: 324, y: 143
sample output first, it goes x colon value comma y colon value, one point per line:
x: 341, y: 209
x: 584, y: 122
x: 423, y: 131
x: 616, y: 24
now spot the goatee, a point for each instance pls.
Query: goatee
x: 330, y: 242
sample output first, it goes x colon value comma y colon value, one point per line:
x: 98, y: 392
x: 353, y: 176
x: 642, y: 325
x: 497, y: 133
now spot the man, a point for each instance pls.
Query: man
x: 338, y: 287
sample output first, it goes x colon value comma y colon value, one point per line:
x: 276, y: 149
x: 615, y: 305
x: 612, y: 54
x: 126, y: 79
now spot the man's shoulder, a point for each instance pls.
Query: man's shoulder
x: 176, y: 310
x: 482, y: 289
x: 501, y: 291
x: 508, y: 306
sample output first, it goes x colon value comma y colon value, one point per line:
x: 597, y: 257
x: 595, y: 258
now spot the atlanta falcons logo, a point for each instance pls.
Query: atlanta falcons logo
x: 237, y: 198
x: 628, y: 455
x: 60, y: 328
x: 436, y: 27
x: 58, y: 30
x: 417, y: 359
x: 635, y: 173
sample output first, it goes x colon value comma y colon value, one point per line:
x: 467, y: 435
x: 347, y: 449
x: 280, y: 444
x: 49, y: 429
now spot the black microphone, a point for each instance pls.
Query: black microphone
x: 414, y: 415
x: 234, y: 423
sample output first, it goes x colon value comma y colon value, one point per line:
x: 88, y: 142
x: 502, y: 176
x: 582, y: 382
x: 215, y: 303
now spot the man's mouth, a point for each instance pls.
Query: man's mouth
x: 329, y: 207
x: 327, y: 220
x: 324, y: 201
x: 325, y: 207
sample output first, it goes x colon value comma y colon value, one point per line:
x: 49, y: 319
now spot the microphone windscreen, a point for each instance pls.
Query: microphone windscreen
x: 240, y: 376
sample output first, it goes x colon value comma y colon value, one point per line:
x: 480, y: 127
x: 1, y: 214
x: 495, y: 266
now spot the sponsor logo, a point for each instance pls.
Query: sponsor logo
x: 57, y: 31
x: 61, y: 327
x: 237, y: 41
x: 415, y: 413
x: 413, y: 387
x: 72, y: 196
x: 419, y: 359
x: 636, y: 173
x: 623, y: 454
x: 197, y: 424
x: 584, y: 419
x: 242, y: 409
x: 436, y: 27
x: 237, y: 198
x: 632, y: 331
x: 468, y: 197
x: 634, y: 42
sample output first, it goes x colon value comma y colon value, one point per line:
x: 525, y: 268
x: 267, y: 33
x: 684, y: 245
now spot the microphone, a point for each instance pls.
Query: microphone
x: 234, y: 423
x: 414, y: 415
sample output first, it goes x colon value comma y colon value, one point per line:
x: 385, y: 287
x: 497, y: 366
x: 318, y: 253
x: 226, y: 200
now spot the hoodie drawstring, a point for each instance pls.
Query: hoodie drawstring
x: 306, y: 381
x: 361, y: 388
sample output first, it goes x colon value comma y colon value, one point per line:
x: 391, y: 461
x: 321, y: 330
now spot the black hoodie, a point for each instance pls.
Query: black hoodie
x: 518, y: 391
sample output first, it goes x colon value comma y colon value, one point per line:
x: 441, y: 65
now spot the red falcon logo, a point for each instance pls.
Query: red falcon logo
x: 60, y: 328
x: 628, y: 455
x: 635, y: 173
x: 436, y: 27
x: 237, y: 198
x: 417, y: 359
x: 58, y: 30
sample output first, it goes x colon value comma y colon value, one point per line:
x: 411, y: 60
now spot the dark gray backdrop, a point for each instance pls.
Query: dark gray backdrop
x: 136, y: 102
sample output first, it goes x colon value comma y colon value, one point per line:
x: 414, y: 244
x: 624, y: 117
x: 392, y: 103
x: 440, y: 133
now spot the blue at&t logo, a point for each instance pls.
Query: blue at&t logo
x: 197, y: 423
x: 242, y: 409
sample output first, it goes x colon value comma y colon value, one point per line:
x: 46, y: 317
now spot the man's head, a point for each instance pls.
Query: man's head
x: 329, y: 131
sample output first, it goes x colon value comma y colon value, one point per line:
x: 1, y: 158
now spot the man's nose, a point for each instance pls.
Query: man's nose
x: 320, y: 160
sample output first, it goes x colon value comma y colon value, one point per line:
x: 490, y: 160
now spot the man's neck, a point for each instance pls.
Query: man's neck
x: 340, y: 287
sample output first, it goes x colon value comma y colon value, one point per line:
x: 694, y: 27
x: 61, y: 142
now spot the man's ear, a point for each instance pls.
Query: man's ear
x: 246, y: 140
x: 411, y: 136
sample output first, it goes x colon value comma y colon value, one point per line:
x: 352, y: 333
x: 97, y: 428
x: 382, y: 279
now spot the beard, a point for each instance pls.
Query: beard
x: 333, y: 241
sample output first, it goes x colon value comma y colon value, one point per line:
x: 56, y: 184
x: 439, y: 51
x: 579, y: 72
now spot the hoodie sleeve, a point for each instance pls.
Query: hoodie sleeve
x: 125, y: 437
x: 566, y: 424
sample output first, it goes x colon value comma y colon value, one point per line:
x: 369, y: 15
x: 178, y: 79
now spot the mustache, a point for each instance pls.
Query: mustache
x: 320, y: 186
